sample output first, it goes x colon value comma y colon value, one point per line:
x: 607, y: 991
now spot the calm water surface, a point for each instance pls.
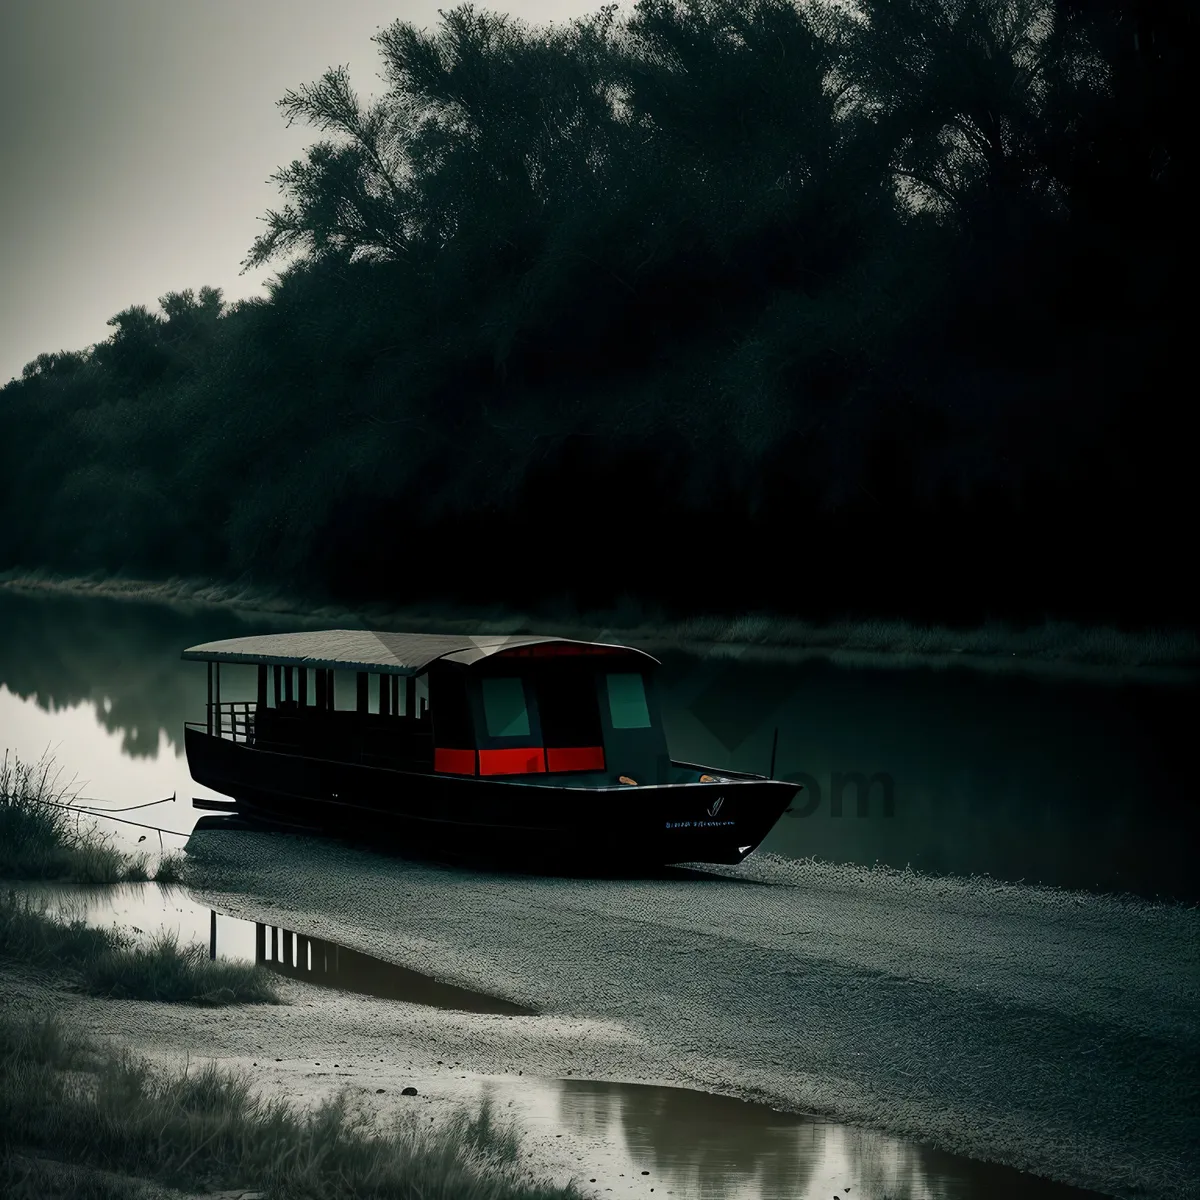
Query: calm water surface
x: 1079, y: 785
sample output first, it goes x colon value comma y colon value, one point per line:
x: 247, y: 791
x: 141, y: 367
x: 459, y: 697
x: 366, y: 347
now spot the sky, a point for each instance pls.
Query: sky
x: 137, y: 138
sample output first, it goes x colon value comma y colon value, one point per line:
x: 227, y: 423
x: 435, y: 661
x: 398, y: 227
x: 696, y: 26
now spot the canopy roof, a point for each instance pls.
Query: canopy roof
x: 379, y: 653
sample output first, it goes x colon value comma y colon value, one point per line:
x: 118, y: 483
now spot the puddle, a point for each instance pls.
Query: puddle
x: 707, y: 1147
x: 148, y: 909
x: 631, y: 1138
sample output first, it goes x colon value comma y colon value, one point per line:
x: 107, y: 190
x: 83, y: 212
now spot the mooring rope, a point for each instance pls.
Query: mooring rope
x: 129, y: 808
x: 91, y: 812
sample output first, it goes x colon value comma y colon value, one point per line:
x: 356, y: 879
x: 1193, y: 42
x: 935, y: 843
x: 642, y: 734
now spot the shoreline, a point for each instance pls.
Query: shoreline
x: 1054, y: 650
x: 849, y: 953
x: 668, y: 1007
x: 286, y: 1058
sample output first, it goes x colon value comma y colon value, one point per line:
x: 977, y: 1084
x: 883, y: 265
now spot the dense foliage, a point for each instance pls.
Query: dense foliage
x: 725, y: 304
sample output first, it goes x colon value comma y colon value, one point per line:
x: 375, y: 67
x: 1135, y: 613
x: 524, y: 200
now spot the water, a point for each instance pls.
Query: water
x: 629, y: 1137
x: 1084, y: 785
x: 150, y: 909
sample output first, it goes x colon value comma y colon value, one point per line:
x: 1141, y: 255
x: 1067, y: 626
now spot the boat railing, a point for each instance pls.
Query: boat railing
x: 232, y: 719
x: 397, y: 742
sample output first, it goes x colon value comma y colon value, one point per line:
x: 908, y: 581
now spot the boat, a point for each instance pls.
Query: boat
x: 520, y: 747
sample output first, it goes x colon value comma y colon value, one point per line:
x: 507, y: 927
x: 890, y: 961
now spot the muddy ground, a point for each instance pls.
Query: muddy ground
x: 1050, y: 1031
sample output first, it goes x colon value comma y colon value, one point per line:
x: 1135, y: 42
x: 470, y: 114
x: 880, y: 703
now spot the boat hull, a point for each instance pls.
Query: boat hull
x: 547, y: 823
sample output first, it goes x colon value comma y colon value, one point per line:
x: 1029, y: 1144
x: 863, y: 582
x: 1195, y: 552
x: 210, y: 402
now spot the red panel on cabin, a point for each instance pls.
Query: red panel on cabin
x: 455, y: 762
x: 575, y: 758
x: 530, y: 760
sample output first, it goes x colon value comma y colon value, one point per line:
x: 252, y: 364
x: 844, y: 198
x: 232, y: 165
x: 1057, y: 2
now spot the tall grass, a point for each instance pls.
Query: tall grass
x: 42, y: 835
x: 207, y: 1128
x: 163, y: 969
x: 26, y: 1178
x: 169, y: 869
x: 105, y: 962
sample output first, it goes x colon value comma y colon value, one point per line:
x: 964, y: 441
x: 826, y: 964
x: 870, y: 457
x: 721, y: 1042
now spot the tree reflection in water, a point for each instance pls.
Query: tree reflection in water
x: 717, y: 1147
x: 119, y: 656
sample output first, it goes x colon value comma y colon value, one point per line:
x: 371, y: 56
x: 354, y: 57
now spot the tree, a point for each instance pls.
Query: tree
x: 972, y: 97
x: 351, y: 196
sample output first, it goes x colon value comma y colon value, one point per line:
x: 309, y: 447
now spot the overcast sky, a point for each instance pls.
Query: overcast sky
x: 138, y: 136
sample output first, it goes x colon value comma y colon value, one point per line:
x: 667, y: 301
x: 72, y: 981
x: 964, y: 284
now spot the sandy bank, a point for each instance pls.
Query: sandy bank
x: 1049, y: 1031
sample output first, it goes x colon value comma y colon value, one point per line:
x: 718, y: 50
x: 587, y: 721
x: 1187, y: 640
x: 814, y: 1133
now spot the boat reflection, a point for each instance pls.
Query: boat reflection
x: 327, y: 964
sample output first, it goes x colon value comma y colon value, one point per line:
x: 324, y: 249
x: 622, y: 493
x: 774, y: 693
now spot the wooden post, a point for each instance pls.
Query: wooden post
x: 262, y: 685
x: 217, y: 695
x: 289, y: 948
x: 212, y: 934
x: 303, y: 696
x: 274, y: 944
x: 210, y: 709
x: 260, y: 942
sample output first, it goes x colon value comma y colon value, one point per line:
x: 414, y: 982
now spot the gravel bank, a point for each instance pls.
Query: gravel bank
x: 1049, y: 1031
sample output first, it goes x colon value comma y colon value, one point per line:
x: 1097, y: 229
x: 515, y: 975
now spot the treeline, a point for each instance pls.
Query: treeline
x: 727, y: 304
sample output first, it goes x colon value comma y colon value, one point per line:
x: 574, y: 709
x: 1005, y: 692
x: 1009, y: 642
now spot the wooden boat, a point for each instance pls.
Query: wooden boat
x: 519, y: 747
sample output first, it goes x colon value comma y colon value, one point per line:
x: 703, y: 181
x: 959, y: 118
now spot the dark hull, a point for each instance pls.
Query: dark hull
x: 449, y: 815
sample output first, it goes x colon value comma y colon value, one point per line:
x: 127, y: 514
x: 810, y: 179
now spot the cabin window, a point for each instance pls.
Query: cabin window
x: 568, y: 709
x: 504, y: 707
x: 286, y: 691
x: 345, y: 691
x: 627, y: 701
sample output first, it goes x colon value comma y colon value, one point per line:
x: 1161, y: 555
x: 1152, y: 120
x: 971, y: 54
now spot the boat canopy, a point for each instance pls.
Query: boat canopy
x: 389, y: 653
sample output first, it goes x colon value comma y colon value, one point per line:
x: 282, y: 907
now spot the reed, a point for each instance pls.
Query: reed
x: 208, y: 1129
x: 43, y: 834
x: 105, y: 962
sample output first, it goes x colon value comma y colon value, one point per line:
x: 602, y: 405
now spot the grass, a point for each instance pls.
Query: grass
x: 26, y: 1178
x: 41, y: 836
x: 207, y: 1129
x: 170, y: 869
x: 105, y: 962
